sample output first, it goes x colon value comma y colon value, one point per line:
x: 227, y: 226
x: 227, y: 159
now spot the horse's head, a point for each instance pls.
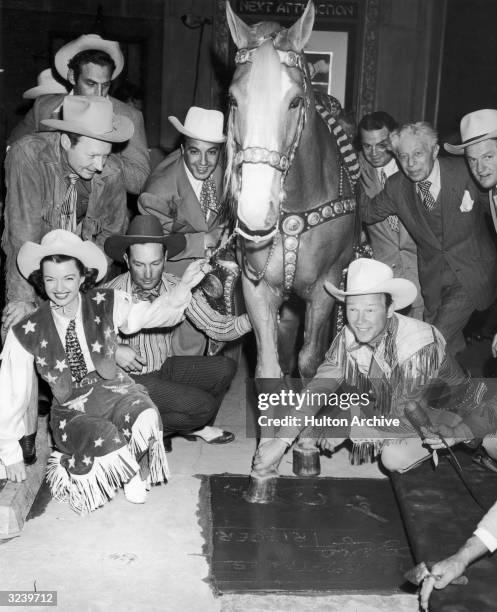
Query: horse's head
x: 268, y: 104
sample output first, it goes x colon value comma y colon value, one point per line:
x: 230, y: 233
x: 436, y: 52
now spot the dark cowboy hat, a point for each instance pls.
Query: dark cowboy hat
x: 143, y: 229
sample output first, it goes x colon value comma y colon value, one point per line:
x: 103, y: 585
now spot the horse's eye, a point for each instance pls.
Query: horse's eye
x: 296, y: 102
x: 232, y: 101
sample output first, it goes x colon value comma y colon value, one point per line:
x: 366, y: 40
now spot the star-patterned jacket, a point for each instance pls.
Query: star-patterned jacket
x: 38, y: 335
x: 100, y: 322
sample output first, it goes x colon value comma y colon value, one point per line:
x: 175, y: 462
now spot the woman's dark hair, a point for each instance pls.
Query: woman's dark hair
x: 89, y: 274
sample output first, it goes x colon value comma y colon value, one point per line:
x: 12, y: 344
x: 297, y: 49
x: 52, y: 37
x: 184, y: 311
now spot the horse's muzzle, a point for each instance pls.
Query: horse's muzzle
x: 255, y: 236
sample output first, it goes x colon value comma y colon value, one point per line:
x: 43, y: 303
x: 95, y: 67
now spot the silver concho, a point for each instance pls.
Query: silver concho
x: 242, y: 56
x: 314, y: 218
x: 291, y: 243
x: 293, y: 225
x: 327, y: 211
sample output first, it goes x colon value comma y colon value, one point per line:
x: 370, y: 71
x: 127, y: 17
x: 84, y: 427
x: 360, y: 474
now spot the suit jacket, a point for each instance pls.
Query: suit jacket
x: 466, y: 245
x: 396, y: 249
x: 489, y: 522
x: 169, y: 196
x: 132, y: 157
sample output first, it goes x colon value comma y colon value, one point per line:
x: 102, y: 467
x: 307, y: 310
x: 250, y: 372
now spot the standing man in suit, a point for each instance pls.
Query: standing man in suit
x: 184, y: 193
x: 479, y: 144
x: 90, y: 64
x: 391, y: 242
x: 436, y: 200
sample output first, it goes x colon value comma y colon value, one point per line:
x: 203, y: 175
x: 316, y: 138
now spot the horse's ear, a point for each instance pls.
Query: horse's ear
x: 301, y: 30
x: 239, y: 29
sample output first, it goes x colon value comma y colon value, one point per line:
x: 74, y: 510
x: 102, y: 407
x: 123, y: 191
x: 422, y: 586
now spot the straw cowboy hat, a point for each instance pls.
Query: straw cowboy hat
x: 367, y: 276
x: 61, y: 242
x: 475, y: 127
x: 88, y: 42
x: 46, y: 85
x: 201, y: 124
x: 92, y: 116
x: 143, y: 229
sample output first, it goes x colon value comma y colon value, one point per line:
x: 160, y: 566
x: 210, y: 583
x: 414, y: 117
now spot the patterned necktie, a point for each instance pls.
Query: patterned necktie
x: 208, y: 197
x: 426, y: 197
x: 393, y: 220
x: 68, y: 209
x: 74, y: 353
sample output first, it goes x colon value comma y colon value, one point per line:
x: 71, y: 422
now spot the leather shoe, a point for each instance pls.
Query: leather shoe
x: 224, y: 438
x: 28, y: 446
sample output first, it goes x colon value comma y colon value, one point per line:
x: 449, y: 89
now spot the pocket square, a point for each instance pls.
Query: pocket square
x: 467, y: 202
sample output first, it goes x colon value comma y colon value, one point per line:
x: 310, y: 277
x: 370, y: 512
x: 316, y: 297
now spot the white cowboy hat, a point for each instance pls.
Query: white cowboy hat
x: 88, y: 42
x: 201, y: 124
x: 475, y: 127
x: 61, y: 242
x: 46, y: 85
x: 367, y: 276
x: 92, y: 116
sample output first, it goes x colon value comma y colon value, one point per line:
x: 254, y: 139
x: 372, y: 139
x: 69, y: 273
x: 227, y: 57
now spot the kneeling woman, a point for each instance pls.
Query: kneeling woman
x: 105, y: 427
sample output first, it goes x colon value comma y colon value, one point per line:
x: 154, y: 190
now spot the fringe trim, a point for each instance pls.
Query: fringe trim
x: 146, y: 435
x: 88, y: 492
x: 415, y: 373
x: 365, y: 451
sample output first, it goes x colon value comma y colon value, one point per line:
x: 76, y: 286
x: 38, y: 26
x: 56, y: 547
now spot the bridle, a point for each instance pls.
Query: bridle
x: 290, y: 225
x: 260, y: 155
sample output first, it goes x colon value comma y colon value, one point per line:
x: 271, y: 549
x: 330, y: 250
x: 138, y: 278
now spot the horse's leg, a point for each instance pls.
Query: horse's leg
x: 319, y: 307
x: 262, y: 305
x: 288, y: 329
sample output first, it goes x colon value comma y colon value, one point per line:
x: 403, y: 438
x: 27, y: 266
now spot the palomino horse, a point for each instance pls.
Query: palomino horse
x: 290, y: 185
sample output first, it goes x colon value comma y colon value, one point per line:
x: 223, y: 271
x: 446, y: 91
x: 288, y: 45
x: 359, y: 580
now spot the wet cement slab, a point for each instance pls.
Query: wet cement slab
x: 320, y: 535
x: 440, y: 514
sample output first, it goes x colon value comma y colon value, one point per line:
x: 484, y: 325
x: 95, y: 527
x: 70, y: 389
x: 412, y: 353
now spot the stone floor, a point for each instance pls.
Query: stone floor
x: 149, y: 557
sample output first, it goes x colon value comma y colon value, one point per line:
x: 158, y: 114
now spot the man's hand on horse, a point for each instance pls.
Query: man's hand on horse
x: 16, y: 472
x: 195, y: 272
x: 269, y: 454
x: 128, y: 359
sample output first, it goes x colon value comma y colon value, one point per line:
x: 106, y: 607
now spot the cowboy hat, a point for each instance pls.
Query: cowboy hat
x: 88, y: 42
x: 201, y: 124
x: 92, y: 116
x: 475, y: 127
x: 46, y: 85
x: 367, y: 276
x: 61, y: 242
x: 143, y: 229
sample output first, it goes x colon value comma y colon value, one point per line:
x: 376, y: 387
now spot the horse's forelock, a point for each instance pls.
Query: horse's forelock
x: 262, y: 31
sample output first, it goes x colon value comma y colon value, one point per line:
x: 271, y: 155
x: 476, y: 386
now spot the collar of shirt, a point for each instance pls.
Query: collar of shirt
x: 195, y: 183
x: 388, y: 169
x: 434, y: 178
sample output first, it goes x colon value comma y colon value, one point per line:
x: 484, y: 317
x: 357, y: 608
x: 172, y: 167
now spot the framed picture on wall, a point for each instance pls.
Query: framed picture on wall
x: 326, y: 54
x: 320, y: 67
